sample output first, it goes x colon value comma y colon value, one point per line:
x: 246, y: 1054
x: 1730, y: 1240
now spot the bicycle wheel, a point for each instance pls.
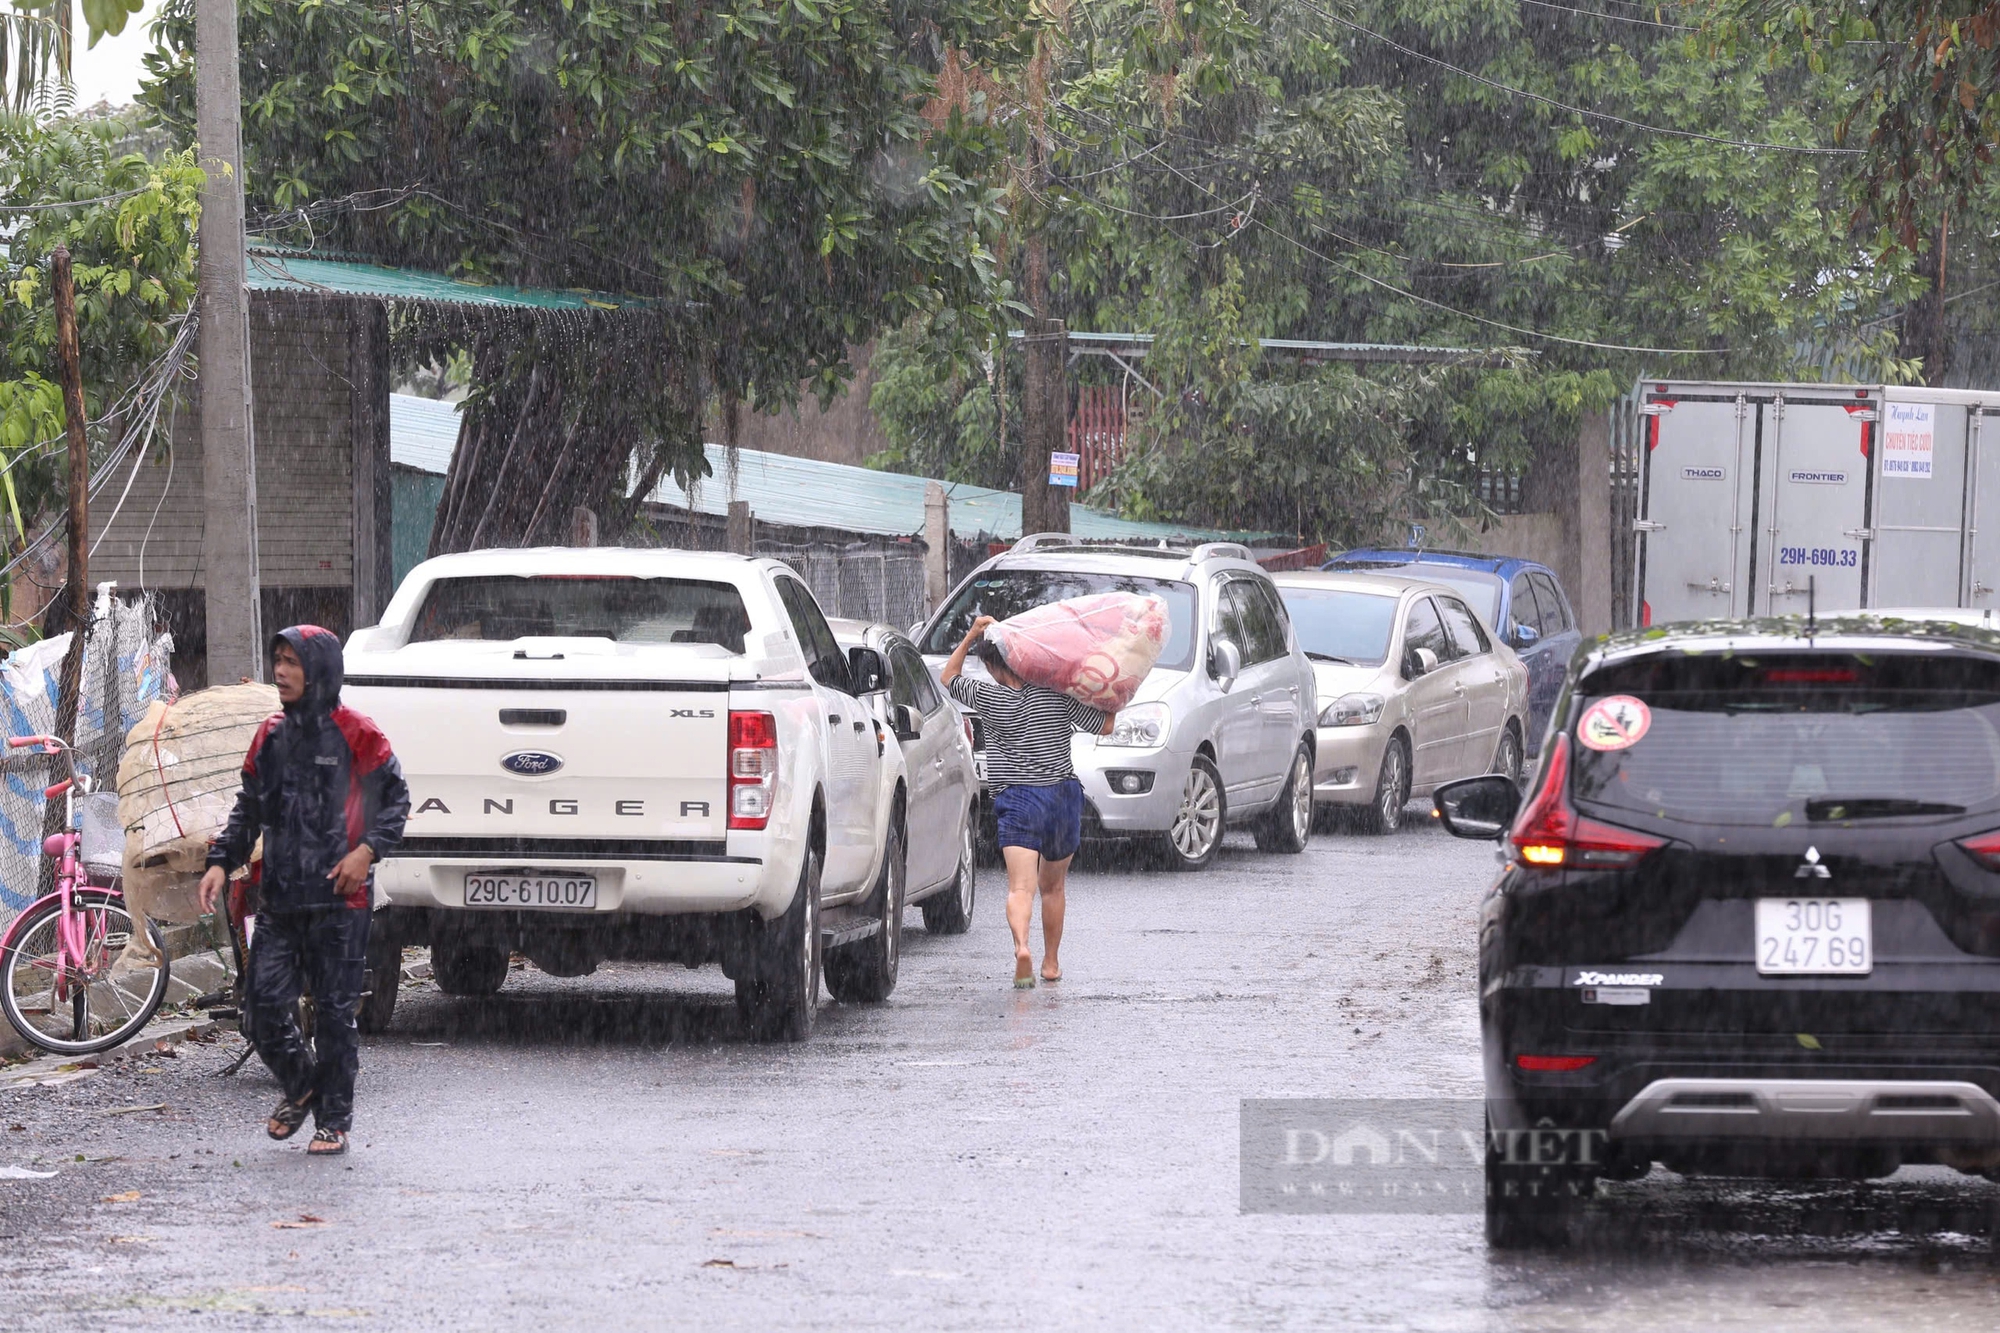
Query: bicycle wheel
x: 75, y: 1012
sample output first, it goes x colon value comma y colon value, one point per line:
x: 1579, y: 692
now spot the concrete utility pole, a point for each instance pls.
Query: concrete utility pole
x: 937, y: 546
x: 69, y: 368
x: 228, y: 439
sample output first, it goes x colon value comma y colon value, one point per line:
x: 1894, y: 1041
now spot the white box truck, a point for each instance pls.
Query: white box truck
x: 1752, y: 495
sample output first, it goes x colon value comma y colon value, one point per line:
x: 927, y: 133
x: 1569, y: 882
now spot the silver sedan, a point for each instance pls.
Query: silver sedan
x: 1413, y: 691
x: 943, y: 795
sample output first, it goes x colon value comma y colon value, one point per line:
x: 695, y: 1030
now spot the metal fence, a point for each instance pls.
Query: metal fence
x: 859, y: 580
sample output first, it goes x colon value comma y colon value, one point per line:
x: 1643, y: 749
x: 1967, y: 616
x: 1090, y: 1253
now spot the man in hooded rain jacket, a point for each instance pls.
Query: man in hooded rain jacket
x: 323, y: 789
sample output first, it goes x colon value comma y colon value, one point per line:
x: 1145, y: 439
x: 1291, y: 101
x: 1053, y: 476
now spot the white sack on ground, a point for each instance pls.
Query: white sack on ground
x: 177, y: 783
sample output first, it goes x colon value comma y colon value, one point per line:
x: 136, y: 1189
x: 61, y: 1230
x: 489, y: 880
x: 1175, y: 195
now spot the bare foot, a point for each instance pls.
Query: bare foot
x: 1024, y: 969
x: 1051, y: 969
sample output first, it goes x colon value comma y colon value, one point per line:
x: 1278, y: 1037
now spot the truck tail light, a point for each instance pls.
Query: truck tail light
x: 1554, y: 1064
x: 1549, y: 833
x: 753, y: 768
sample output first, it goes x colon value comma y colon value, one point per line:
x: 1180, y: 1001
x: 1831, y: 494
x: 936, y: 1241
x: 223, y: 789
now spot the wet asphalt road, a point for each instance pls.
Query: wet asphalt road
x: 608, y: 1152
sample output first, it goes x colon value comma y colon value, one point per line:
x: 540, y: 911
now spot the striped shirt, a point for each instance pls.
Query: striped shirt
x: 1027, y: 731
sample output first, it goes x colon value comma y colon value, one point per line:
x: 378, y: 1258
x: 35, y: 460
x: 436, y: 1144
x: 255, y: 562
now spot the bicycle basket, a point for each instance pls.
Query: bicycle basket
x: 102, y: 848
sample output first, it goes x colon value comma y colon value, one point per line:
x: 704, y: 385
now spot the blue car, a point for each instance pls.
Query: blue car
x: 1518, y: 599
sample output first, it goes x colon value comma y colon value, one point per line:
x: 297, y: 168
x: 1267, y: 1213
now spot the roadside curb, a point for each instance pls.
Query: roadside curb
x: 50, y: 1070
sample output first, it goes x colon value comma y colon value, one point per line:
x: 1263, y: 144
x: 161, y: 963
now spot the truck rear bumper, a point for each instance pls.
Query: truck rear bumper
x: 653, y: 887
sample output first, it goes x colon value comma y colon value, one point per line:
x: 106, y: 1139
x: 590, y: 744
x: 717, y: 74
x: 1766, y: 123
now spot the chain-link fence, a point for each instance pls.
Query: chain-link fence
x: 862, y: 580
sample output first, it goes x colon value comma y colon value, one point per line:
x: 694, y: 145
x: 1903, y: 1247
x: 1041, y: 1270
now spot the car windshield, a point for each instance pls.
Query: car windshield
x: 627, y: 610
x: 1001, y: 593
x: 1789, y: 739
x: 1480, y: 590
x: 1340, y: 623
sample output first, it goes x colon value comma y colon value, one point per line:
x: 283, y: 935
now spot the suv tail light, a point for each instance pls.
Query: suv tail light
x: 1549, y: 833
x: 1554, y: 1064
x: 753, y: 768
x: 1983, y: 848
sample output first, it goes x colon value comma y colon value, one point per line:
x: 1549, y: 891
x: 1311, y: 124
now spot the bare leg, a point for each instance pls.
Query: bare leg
x: 1023, y: 873
x: 1055, y: 880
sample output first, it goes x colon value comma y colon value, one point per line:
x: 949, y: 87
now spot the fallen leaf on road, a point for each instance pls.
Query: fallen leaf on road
x: 133, y: 1240
x: 129, y: 1196
x: 134, y: 1110
x: 166, y: 1048
x: 305, y: 1222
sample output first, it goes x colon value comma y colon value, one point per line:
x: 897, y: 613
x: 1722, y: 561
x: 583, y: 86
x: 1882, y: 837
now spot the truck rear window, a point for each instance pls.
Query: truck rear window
x: 627, y: 610
x: 1790, y: 738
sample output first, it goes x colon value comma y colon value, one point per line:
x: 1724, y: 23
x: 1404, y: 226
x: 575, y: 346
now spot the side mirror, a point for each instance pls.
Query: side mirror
x: 1225, y: 663
x: 1419, y: 662
x: 906, y: 722
x: 1481, y: 807
x: 867, y: 670
x: 1526, y: 635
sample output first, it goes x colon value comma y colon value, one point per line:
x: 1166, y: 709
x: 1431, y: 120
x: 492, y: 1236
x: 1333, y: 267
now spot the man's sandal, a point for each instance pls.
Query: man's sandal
x: 285, y: 1121
x: 327, y: 1143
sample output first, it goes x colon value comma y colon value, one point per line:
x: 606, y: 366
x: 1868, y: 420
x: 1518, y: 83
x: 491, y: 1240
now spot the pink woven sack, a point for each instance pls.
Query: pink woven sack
x: 1096, y: 649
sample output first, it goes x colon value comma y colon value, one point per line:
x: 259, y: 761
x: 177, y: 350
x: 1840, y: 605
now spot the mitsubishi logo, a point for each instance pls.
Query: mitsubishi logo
x: 1812, y: 869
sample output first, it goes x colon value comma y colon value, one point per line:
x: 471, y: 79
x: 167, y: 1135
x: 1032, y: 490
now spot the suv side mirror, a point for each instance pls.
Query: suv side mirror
x: 1419, y: 662
x: 867, y: 670
x: 906, y: 722
x: 1481, y: 807
x: 1525, y: 635
x: 1225, y: 662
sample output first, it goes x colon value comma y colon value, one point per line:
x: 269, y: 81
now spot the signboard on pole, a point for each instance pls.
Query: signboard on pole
x: 1064, y: 469
x: 1909, y: 439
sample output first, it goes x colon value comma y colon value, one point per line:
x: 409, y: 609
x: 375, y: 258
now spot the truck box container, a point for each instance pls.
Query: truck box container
x: 1755, y: 498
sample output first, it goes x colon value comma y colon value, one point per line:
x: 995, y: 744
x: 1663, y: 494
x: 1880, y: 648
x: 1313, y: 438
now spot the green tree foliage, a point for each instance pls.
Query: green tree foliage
x: 129, y: 224
x: 759, y: 169
x: 1618, y: 196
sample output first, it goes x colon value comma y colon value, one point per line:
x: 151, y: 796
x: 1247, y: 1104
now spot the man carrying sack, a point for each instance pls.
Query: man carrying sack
x: 322, y: 787
x: 1037, y: 797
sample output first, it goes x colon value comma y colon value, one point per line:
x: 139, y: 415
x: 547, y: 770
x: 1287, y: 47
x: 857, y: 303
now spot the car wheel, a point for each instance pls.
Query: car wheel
x: 1507, y: 761
x: 1196, y: 832
x: 778, y: 997
x: 469, y: 969
x: 950, y: 912
x: 1392, y: 790
x: 865, y: 971
x: 1288, y: 828
x: 385, y: 977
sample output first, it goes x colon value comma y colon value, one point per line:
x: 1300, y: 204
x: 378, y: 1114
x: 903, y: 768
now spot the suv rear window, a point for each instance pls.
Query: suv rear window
x: 1001, y: 593
x: 1797, y: 738
x: 627, y: 610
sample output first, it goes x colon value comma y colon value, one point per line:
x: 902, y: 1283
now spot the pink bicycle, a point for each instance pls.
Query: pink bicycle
x: 66, y: 982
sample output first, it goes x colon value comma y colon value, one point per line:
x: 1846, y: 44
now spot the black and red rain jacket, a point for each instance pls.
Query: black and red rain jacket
x: 319, y: 781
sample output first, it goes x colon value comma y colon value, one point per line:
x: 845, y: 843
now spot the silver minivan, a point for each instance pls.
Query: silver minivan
x: 1221, y: 732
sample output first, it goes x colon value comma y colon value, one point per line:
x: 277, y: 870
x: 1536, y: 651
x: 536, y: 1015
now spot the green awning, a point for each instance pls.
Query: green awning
x: 276, y: 271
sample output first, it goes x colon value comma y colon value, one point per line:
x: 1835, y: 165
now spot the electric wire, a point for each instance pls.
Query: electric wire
x: 1750, y: 145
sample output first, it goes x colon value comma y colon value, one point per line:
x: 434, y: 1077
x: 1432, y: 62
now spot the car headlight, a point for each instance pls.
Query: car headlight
x: 1141, y: 725
x: 1353, y: 710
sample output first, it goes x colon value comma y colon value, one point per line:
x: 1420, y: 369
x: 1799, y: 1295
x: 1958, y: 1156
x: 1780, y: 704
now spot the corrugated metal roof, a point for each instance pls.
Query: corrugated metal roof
x: 797, y: 492
x: 272, y: 270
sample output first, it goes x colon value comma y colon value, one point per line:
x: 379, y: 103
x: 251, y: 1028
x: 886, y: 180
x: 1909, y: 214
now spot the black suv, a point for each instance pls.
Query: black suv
x: 1749, y: 922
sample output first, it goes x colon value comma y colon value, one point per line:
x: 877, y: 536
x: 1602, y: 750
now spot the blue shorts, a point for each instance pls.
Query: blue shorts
x: 1048, y: 820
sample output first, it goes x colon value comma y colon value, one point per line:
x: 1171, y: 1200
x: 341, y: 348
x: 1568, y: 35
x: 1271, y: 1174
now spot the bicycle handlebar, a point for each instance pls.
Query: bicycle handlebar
x: 22, y: 742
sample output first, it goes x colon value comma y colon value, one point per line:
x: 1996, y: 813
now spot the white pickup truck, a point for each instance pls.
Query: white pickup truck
x: 634, y: 754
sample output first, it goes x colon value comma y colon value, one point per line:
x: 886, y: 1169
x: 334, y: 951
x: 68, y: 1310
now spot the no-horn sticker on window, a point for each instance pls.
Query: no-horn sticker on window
x: 1617, y: 723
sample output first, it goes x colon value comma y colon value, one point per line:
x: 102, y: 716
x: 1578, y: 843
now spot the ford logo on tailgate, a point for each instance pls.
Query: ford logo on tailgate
x: 531, y: 763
